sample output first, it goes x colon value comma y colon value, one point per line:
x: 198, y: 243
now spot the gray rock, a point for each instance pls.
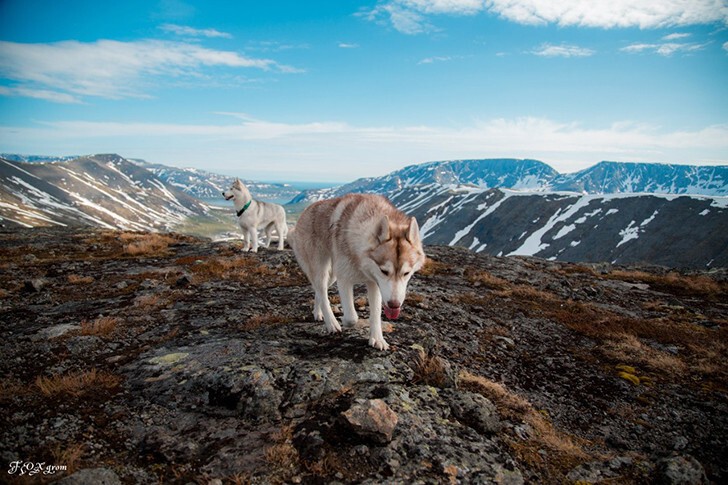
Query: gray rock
x: 83, y: 343
x: 34, y: 286
x: 56, y: 331
x: 681, y: 470
x: 474, y: 410
x: 91, y: 476
x: 372, y: 419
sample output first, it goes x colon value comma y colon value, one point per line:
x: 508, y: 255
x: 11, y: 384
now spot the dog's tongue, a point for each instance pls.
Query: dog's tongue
x: 391, y: 313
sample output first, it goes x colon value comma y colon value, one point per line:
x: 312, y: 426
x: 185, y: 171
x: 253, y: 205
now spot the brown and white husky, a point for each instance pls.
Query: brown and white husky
x: 358, y: 238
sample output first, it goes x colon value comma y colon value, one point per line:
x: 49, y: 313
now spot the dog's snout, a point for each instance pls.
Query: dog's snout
x: 394, y: 304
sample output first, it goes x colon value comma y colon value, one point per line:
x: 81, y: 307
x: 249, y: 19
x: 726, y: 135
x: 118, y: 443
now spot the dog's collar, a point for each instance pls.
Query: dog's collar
x: 245, y: 207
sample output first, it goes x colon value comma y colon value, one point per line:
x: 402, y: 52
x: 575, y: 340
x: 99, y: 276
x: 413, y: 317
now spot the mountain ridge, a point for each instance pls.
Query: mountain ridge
x: 537, y: 176
x: 103, y: 190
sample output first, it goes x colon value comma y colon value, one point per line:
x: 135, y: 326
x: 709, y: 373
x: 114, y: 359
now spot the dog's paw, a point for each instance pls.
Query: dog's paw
x: 335, y: 328
x: 378, y: 343
x: 318, y: 315
x: 349, y: 322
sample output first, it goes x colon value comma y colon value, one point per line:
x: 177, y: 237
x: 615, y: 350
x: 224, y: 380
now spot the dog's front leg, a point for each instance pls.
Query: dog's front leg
x: 253, y: 237
x: 376, y: 339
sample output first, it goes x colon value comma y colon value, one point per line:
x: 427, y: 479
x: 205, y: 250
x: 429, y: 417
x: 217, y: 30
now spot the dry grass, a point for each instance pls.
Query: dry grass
x: 138, y: 244
x: 75, y: 279
x: 245, y: 269
x: 147, y: 301
x: 676, y: 283
x: 566, y: 451
x: 625, y: 339
x: 68, y: 456
x: 484, y: 278
x: 283, y: 455
x: 432, y: 267
x: 258, y: 321
x: 429, y: 369
x: 76, y: 384
x: 101, y: 327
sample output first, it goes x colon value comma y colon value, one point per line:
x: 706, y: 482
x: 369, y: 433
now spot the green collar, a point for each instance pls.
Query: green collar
x: 245, y: 207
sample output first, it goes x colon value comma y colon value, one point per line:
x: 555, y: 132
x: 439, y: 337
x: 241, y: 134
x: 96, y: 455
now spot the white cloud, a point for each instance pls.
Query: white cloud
x: 450, y: 7
x: 185, y: 31
x: 725, y: 46
x: 345, y: 45
x: 411, y: 16
x: 112, y: 69
x: 664, y: 49
x: 45, y: 94
x: 563, y: 50
x: 432, y: 60
x: 645, y: 14
x: 339, y: 150
x: 676, y: 36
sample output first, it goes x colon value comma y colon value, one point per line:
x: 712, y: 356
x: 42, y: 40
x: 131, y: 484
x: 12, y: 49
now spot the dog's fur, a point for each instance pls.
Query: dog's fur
x: 358, y: 238
x: 267, y: 215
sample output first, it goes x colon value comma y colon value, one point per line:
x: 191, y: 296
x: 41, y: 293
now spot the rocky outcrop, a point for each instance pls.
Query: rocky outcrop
x: 193, y: 361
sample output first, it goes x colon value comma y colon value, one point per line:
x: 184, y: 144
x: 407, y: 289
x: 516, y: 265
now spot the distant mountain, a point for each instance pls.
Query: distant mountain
x: 670, y: 230
x: 100, y: 190
x: 508, y: 172
x: 655, y: 178
x: 535, y: 176
x: 208, y: 185
x: 14, y: 157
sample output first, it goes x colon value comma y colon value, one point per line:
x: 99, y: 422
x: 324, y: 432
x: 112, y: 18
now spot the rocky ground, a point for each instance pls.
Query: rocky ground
x: 141, y: 358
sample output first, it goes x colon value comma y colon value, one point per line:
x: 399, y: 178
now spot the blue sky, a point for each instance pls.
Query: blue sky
x: 332, y: 91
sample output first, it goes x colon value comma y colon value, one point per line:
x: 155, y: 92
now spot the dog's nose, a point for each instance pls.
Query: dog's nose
x: 393, y: 304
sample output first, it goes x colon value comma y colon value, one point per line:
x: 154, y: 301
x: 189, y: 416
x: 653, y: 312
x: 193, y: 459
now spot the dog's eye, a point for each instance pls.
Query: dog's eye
x: 406, y: 273
x: 385, y: 272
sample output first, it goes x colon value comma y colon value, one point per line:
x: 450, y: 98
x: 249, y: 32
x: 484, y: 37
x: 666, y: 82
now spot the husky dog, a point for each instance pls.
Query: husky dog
x: 253, y: 213
x: 358, y: 238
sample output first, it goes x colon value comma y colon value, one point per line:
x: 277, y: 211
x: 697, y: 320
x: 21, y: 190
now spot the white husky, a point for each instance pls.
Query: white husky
x: 253, y: 214
x: 358, y: 238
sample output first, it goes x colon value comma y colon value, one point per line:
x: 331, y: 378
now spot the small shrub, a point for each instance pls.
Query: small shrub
x: 76, y: 384
x: 145, y: 244
x: 257, y: 321
x: 676, y: 283
x: 75, y: 279
x: 430, y: 369
x: 68, y: 456
x: 147, y: 301
x: 432, y: 267
x: 484, y: 278
x: 101, y: 327
x: 283, y: 455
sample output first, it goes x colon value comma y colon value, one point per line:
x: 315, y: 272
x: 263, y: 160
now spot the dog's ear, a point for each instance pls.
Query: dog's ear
x: 383, y: 229
x: 413, y: 232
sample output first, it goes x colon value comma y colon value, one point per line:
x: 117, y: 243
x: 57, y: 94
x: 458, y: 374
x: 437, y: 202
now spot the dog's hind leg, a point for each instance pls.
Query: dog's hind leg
x: 322, y: 307
x: 346, y: 293
x: 268, y: 235
x: 282, y: 230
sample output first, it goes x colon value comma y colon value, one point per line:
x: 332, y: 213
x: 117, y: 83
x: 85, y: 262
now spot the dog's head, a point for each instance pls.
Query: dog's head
x: 396, y: 256
x: 236, y: 191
